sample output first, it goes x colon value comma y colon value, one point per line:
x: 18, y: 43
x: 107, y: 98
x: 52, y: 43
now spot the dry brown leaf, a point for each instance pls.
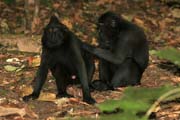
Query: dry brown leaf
x: 162, y: 24
x: 51, y: 97
x: 173, y: 42
x: 4, y: 82
x: 120, y: 89
x: 75, y: 100
x: 77, y: 16
x: 67, y: 22
x: 27, y: 90
x: 51, y: 118
x: 138, y: 21
x: 169, y: 20
x: 164, y: 78
x: 175, y: 13
x: 47, y: 97
x: 154, y: 22
x: 82, y: 113
x: 34, y: 61
x: 30, y: 113
x: 61, y: 101
x: 2, y: 56
x: 4, y: 111
x: 176, y: 79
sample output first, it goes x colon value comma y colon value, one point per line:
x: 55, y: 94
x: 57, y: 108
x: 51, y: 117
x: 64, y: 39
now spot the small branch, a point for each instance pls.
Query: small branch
x: 160, y: 99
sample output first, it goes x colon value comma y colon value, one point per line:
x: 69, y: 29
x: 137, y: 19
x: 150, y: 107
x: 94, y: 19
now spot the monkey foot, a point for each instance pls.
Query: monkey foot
x: 30, y: 97
x: 89, y: 100
x: 100, y: 86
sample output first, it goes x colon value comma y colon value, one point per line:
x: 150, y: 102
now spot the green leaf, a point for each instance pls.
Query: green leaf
x: 133, y: 101
x: 171, y: 54
x: 10, y: 68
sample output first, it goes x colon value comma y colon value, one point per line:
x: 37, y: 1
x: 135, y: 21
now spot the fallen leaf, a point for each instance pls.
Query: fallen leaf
x: 30, y: 113
x: 4, y: 111
x: 175, y: 13
x: 27, y: 90
x: 2, y: 56
x: 75, y: 100
x: 10, y: 68
x: 77, y: 16
x: 162, y: 24
x: 51, y: 97
x: 82, y: 113
x: 47, y: 97
x: 13, y: 60
x: 61, y: 101
x: 4, y: 26
x: 19, y: 69
x: 138, y: 21
x: 51, y: 118
x: 68, y: 23
x: 34, y: 61
x: 2, y: 100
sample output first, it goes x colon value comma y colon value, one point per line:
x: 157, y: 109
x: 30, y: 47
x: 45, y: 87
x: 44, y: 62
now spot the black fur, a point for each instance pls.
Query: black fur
x: 63, y: 55
x: 123, y: 52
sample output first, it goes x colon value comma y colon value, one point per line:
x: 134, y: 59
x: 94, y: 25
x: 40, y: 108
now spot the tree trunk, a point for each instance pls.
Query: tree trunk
x: 27, y: 17
x: 36, y: 19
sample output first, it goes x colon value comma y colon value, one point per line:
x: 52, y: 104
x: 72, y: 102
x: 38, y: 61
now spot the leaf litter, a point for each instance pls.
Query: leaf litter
x: 152, y: 16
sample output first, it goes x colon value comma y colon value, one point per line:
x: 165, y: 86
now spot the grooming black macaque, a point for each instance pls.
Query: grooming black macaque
x: 123, y: 52
x: 63, y: 55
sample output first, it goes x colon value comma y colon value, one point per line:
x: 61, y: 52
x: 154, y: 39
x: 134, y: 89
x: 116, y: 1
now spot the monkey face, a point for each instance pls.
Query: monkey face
x: 54, y: 34
x: 107, y: 27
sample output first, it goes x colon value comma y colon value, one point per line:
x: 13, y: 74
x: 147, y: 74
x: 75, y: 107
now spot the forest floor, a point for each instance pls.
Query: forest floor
x: 160, y: 22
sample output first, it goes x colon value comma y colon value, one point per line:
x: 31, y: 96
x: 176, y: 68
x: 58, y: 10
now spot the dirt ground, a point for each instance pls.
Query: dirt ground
x: 161, y: 25
x: 14, y: 86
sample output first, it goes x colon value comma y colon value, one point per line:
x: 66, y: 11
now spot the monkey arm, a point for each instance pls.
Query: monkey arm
x: 39, y: 79
x: 104, y: 54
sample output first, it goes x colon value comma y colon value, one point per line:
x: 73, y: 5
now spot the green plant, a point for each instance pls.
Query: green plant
x: 8, y: 2
x: 171, y: 54
x: 134, y: 103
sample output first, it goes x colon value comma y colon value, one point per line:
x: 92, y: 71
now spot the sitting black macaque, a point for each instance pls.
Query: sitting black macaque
x: 123, y: 52
x: 63, y: 55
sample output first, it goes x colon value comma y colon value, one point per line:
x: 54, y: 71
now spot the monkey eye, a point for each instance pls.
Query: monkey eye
x: 52, y: 30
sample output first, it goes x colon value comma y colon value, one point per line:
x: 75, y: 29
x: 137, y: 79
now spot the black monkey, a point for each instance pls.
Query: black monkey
x: 123, y: 52
x: 63, y: 55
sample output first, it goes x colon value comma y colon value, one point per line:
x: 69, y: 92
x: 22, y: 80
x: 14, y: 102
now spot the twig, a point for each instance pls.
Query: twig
x: 160, y: 99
